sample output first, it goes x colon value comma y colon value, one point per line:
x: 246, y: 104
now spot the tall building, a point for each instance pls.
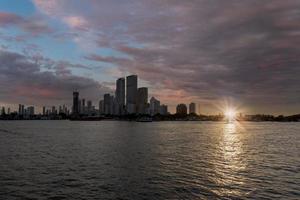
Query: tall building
x: 112, y: 105
x: 30, y: 111
x: 181, y: 109
x: 107, y: 100
x: 154, y: 106
x: 131, y: 96
x: 142, y: 100
x: 83, y: 105
x: 89, y: 106
x: 20, y: 110
x: 2, y: 111
x: 192, y: 108
x: 75, y: 103
x: 101, y: 107
x: 163, y: 109
x: 120, y: 96
x: 44, y: 110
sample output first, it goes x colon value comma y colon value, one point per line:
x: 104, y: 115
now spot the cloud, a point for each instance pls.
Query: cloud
x: 22, y: 80
x: 210, y: 49
x: 34, y: 25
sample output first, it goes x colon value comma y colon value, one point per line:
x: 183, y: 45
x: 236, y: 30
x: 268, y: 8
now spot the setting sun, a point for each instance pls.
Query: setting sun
x: 230, y: 114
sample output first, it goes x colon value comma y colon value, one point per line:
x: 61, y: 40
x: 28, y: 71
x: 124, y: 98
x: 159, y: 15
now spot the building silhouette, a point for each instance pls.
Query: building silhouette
x: 163, y: 110
x: 75, y: 110
x: 192, y: 108
x: 131, y: 95
x: 154, y: 106
x: 181, y: 109
x: 142, y: 100
x: 107, y: 107
x: 120, y: 96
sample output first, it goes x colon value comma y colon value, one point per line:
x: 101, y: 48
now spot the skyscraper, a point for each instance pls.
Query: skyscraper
x: 154, y: 106
x: 75, y: 103
x: 192, y: 108
x: 20, y: 109
x: 101, y: 107
x: 120, y: 96
x: 131, y: 96
x: 30, y: 111
x: 142, y: 100
x: 163, y: 109
x: 89, y: 106
x: 107, y: 104
x: 83, y: 106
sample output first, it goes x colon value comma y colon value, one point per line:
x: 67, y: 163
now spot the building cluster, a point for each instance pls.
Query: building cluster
x: 52, y: 111
x: 128, y: 99
x: 182, y: 109
x: 26, y: 111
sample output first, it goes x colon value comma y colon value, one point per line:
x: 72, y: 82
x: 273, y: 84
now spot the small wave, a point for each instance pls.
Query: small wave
x: 8, y: 131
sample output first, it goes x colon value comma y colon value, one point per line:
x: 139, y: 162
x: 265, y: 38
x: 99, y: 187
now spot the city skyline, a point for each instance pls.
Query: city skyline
x: 207, y: 52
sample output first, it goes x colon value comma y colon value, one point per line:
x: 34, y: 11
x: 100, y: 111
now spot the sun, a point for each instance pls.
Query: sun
x: 230, y: 114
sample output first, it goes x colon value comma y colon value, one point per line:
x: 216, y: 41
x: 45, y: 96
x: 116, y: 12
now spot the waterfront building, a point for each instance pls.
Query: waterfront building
x: 30, y: 111
x: 154, y: 106
x: 83, y: 106
x: 101, y: 107
x: 89, y: 107
x: 120, y: 96
x: 192, y: 108
x: 163, y: 109
x: 142, y: 100
x: 107, y: 107
x: 75, y: 103
x: 131, y: 95
x: 181, y: 109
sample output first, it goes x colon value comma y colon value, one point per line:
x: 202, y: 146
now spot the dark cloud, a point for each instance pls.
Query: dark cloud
x: 24, y: 81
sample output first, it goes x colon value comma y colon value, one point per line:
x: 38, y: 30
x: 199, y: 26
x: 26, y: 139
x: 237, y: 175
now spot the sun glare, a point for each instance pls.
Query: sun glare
x: 230, y: 114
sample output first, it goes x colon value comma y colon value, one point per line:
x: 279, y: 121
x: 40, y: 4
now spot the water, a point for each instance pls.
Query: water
x: 159, y: 160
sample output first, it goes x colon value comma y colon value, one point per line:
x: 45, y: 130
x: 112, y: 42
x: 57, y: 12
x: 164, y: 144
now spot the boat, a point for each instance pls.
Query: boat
x: 144, y: 119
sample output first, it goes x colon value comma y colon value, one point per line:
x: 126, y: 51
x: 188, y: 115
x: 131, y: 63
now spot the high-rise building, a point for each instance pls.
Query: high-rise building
x: 75, y: 103
x: 112, y: 105
x: 192, y: 108
x: 44, y: 110
x: 20, y: 109
x: 163, y: 109
x: 89, y: 106
x: 154, y: 106
x: 2, y: 111
x: 120, y: 96
x: 30, y: 111
x: 142, y: 100
x: 101, y: 107
x: 107, y: 100
x: 83, y: 106
x: 131, y: 95
x: 53, y: 110
x: 181, y: 109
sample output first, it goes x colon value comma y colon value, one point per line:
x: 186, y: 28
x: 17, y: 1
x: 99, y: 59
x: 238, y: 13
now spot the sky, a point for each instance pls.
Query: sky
x: 212, y: 52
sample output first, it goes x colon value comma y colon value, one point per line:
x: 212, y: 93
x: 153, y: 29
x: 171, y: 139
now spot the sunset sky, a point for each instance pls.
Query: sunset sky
x: 207, y: 51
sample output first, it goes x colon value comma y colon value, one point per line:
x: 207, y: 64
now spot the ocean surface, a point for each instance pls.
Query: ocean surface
x: 159, y: 160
